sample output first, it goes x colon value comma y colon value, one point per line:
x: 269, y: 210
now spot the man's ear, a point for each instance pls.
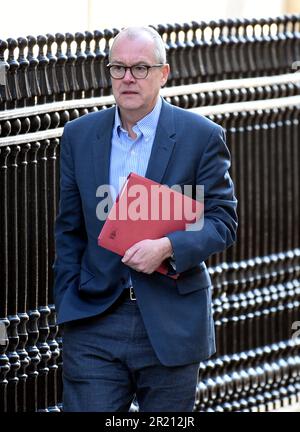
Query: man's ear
x: 165, y: 73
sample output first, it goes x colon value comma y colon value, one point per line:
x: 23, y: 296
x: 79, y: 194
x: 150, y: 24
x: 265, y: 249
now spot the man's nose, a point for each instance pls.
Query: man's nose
x: 128, y: 76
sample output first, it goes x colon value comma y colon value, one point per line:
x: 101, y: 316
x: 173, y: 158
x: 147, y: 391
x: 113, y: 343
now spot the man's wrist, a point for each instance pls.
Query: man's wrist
x: 169, y: 249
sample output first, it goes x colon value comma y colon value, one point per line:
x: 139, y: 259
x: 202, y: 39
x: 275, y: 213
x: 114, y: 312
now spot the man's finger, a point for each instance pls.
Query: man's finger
x: 129, y: 254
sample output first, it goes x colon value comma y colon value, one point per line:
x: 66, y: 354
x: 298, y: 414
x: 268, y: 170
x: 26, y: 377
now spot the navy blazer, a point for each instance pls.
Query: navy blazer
x: 187, y: 149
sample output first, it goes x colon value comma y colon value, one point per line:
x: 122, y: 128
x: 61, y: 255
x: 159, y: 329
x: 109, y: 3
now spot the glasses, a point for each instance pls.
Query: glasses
x: 137, y: 71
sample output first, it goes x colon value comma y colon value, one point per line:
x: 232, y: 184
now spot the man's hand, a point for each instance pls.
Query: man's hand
x: 146, y: 255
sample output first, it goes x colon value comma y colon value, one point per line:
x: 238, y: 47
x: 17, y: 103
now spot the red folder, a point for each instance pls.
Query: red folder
x: 145, y: 209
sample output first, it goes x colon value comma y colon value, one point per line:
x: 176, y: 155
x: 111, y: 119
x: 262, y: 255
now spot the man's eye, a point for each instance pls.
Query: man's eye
x: 140, y: 68
x: 118, y: 68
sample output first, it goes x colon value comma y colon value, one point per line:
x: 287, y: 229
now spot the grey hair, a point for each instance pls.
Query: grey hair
x: 135, y: 32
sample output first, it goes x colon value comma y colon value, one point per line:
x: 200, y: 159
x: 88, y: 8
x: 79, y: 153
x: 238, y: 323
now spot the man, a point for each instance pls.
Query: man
x: 128, y: 330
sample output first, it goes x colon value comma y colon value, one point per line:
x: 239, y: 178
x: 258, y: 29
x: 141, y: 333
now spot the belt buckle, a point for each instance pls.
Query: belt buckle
x: 131, y: 293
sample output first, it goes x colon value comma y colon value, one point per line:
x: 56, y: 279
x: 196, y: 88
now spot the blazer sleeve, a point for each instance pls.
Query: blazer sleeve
x: 70, y: 233
x: 219, y: 227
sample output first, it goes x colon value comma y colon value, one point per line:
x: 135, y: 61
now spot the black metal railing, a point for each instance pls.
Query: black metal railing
x: 68, y: 66
x: 256, y: 290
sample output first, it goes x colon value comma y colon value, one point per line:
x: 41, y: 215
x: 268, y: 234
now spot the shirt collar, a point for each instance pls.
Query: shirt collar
x: 147, y: 125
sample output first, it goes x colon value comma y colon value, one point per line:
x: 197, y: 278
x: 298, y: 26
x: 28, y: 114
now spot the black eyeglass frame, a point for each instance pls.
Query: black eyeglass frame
x: 148, y: 67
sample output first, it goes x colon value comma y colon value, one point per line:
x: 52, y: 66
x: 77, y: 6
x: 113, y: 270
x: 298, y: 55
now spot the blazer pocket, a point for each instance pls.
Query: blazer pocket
x: 85, y: 277
x: 194, y: 279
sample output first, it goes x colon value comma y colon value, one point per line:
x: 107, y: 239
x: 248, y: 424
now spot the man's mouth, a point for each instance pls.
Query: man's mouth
x: 129, y: 92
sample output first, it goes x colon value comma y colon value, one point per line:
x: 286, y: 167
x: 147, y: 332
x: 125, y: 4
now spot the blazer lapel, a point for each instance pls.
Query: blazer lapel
x: 102, y: 147
x: 163, y: 144
x: 161, y: 150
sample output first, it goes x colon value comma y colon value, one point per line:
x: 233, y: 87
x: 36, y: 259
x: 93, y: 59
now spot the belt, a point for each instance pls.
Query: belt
x: 132, y: 294
x: 128, y: 293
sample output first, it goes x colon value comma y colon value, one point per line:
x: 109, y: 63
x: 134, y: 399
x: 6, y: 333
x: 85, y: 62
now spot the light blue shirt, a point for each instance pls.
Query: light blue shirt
x: 131, y: 155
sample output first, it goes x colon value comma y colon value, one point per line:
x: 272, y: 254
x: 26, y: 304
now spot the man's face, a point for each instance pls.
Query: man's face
x: 137, y: 96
